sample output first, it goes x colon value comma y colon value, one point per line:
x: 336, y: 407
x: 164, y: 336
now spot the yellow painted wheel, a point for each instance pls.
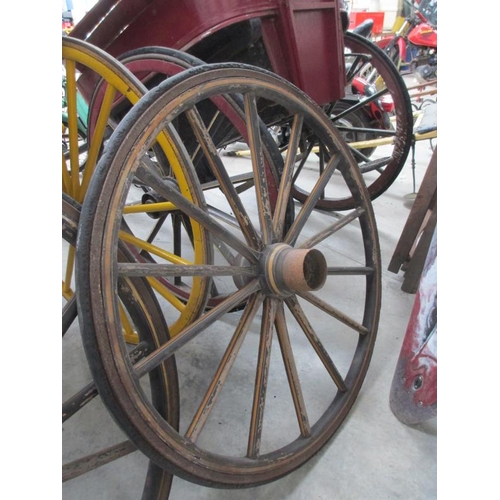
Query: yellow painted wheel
x: 92, y: 76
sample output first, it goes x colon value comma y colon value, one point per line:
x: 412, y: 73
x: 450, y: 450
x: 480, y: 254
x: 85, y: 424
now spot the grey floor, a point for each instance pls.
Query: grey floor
x: 372, y: 456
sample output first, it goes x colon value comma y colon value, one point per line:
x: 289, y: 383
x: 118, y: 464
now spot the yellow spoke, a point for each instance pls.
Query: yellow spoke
x: 66, y: 179
x: 72, y: 125
x: 67, y: 293
x: 129, y: 333
x: 167, y: 294
x: 153, y: 249
x: 69, y: 270
x: 162, y: 206
x: 97, y: 138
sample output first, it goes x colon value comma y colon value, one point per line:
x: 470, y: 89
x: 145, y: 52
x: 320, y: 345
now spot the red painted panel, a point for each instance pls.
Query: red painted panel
x: 303, y: 38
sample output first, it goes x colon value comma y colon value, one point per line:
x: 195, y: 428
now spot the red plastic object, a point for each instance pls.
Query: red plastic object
x: 356, y: 18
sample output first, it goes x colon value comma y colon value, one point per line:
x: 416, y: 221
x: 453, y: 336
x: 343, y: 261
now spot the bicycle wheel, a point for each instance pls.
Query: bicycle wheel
x: 378, y: 123
x: 233, y: 433
x: 87, y: 70
x: 139, y: 309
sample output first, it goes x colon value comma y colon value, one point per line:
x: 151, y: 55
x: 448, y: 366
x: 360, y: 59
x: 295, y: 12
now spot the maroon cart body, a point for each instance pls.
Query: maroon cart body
x: 300, y: 40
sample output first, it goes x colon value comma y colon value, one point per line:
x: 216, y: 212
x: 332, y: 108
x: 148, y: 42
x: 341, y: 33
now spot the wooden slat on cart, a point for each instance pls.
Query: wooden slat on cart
x: 413, y: 245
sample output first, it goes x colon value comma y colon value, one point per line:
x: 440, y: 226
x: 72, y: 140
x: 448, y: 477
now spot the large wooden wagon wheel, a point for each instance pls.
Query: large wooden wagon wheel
x: 380, y: 147
x: 230, y: 370
x: 110, y: 90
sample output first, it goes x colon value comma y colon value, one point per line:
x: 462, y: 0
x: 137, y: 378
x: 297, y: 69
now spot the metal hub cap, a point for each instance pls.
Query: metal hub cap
x: 288, y: 270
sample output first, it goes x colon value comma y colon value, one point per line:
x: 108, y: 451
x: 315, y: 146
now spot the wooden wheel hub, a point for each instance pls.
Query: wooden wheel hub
x: 288, y: 270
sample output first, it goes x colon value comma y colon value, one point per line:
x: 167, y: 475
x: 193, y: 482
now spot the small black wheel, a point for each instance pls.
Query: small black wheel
x: 233, y: 433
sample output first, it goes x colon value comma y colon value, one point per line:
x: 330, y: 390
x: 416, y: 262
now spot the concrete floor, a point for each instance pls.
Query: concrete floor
x: 372, y: 456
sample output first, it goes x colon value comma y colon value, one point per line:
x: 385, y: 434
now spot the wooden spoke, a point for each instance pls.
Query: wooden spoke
x: 97, y: 139
x: 261, y: 378
x: 235, y: 179
x: 66, y: 177
x: 333, y: 228
x: 351, y: 271
x: 225, y: 184
x: 85, y: 395
x: 73, y: 127
x: 197, y: 327
x: 96, y: 460
x: 70, y: 263
x: 291, y: 372
x: 169, y: 191
x: 153, y: 249
x: 133, y: 269
x: 322, y: 353
x: 334, y: 312
x: 224, y: 368
x: 312, y: 199
x: 258, y: 164
x: 303, y: 160
x: 286, y: 177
